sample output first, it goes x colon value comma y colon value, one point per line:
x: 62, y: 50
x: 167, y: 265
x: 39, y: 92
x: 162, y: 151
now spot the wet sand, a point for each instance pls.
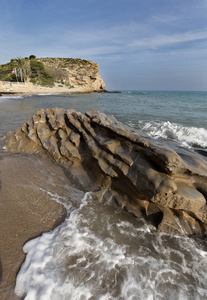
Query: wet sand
x: 26, y: 210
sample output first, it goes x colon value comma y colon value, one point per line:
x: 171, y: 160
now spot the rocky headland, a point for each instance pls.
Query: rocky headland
x: 159, y: 180
x: 50, y: 75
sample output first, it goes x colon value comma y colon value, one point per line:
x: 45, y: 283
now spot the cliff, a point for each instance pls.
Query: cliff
x: 54, y: 74
x: 74, y: 72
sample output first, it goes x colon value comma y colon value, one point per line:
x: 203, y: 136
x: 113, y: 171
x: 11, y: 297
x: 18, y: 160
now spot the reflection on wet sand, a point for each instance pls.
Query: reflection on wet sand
x: 29, y: 186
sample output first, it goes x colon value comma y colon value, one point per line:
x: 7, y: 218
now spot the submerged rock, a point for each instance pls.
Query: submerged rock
x: 160, y: 180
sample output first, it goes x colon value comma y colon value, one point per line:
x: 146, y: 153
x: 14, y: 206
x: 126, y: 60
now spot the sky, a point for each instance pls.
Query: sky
x: 138, y: 44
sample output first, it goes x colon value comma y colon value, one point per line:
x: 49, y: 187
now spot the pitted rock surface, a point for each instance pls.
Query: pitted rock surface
x: 160, y: 180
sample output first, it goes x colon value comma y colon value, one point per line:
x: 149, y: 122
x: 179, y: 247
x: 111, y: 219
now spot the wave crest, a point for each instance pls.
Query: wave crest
x: 187, y: 136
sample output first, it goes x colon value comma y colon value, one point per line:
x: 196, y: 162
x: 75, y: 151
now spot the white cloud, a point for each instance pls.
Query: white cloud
x: 114, y: 43
x: 165, y: 40
x: 166, y: 19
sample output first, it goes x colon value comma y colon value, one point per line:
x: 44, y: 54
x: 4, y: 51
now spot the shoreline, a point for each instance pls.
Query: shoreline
x: 27, y: 210
x: 28, y: 89
x: 54, y: 93
x: 18, y: 89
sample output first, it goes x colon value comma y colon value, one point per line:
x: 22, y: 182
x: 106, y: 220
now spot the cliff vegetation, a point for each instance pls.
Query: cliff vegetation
x: 61, y: 72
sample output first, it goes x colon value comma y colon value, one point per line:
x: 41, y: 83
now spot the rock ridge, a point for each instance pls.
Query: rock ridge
x: 159, y: 180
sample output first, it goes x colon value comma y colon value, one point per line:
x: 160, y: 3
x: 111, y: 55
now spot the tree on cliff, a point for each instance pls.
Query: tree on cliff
x: 32, y: 57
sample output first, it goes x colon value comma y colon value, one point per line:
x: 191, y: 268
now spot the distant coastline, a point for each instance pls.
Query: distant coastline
x: 18, y: 89
x: 50, y: 76
x: 30, y: 89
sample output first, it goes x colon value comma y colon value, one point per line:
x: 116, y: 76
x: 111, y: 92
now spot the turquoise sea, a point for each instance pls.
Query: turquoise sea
x: 177, y: 115
x: 100, y: 252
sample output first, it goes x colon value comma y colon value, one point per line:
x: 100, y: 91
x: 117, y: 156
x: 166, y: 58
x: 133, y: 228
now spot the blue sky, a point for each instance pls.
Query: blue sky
x: 138, y: 44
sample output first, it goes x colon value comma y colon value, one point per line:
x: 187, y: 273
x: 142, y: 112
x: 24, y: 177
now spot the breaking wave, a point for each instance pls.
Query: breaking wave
x: 187, y: 136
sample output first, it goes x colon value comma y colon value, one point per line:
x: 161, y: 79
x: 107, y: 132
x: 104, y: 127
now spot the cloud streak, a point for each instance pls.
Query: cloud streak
x: 167, y: 40
x: 125, y: 39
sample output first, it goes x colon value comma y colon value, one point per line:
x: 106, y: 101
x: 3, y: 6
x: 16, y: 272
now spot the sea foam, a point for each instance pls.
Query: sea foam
x: 187, y: 136
x: 14, y: 97
x: 101, y: 253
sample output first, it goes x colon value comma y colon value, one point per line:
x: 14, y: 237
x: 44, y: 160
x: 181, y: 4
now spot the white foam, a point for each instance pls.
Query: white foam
x: 86, y: 258
x: 71, y: 244
x: 14, y: 97
x: 187, y: 136
x: 3, y: 148
x: 48, y: 94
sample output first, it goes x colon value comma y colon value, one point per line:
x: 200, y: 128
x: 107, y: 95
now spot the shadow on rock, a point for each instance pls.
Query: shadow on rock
x: 160, y: 180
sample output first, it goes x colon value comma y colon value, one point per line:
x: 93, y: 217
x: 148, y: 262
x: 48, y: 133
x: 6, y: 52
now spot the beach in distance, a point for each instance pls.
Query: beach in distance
x: 19, y: 88
x: 91, y: 250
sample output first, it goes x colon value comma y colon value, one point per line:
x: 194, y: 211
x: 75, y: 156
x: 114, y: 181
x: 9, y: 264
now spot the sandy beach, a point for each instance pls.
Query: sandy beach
x: 27, y: 88
x: 26, y: 210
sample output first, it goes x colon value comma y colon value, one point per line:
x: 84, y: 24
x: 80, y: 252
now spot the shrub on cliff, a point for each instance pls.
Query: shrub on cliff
x: 10, y: 77
x: 6, y: 69
x: 33, y: 80
x: 39, y: 74
x: 36, y: 67
x: 46, y: 79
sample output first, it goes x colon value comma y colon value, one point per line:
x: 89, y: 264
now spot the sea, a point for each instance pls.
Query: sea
x: 100, y: 252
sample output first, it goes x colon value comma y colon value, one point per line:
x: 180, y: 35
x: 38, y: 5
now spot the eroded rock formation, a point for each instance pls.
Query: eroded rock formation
x: 74, y: 73
x: 162, y: 181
